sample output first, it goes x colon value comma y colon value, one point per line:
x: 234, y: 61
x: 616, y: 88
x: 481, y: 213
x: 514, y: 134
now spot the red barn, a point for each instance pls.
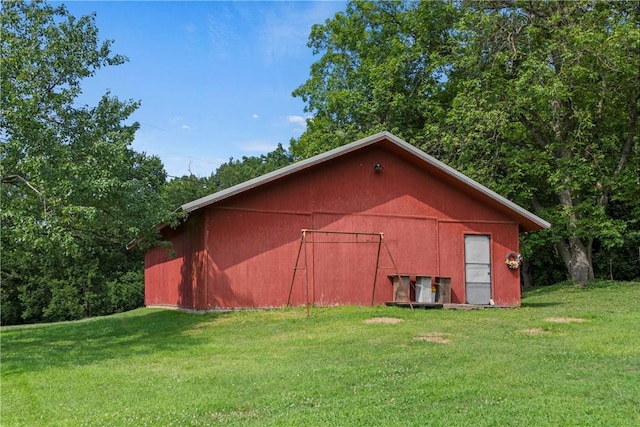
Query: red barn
x: 377, y: 209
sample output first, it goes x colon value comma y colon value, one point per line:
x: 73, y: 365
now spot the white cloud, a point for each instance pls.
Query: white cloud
x: 255, y: 116
x: 297, y: 119
x: 300, y: 122
x: 186, y: 127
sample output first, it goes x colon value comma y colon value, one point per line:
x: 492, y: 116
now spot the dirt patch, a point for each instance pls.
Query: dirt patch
x: 390, y: 320
x: 533, y: 331
x: 565, y: 320
x: 435, y: 337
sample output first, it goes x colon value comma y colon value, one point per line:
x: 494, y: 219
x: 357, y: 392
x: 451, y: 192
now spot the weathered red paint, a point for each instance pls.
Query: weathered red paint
x: 240, y: 252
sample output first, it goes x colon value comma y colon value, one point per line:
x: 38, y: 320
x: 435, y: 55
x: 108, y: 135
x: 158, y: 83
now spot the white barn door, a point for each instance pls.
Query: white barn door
x: 477, y: 261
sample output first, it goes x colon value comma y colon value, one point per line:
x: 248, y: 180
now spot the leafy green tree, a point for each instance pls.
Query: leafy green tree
x: 186, y: 188
x: 381, y: 68
x: 73, y: 192
x: 547, y: 107
x: 538, y: 100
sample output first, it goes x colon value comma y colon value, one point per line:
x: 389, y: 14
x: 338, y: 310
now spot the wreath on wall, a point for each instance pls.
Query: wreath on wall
x: 513, y: 260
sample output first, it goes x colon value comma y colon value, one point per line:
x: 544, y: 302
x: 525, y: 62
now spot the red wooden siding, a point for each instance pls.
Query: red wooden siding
x: 240, y: 252
x: 172, y: 279
x: 251, y: 257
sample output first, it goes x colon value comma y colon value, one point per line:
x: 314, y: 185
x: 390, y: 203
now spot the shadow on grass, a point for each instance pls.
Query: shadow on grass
x: 540, y: 304
x: 142, y: 331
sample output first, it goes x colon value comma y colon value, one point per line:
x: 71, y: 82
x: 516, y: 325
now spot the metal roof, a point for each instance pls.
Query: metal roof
x: 521, y: 213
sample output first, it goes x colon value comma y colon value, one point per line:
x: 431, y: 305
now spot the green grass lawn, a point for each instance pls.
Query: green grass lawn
x: 568, y: 356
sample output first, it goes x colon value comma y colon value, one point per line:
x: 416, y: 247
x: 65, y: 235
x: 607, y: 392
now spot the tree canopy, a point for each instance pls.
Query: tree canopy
x: 382, y: 67
x: 73, y: 191
x: 538, y: 100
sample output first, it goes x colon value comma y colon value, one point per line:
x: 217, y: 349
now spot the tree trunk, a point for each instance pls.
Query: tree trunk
x: 577, y: 259
x: 526, y: 275
x: 575, y: 254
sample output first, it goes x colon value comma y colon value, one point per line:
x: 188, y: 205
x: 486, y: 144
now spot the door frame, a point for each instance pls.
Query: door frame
x: 464, y: 262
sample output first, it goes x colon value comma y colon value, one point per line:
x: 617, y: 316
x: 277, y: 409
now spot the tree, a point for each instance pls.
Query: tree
x: 73, y: 192
x: 547, y: 98
x: 537, y: 100
x: 184, y: 189
x: 381, y: 68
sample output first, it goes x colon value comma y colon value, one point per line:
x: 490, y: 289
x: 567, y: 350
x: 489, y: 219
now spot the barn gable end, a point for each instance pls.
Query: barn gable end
x: 238, y: 247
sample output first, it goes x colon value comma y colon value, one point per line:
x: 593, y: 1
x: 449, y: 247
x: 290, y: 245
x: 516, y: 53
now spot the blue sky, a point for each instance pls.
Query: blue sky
x: 214, y: 78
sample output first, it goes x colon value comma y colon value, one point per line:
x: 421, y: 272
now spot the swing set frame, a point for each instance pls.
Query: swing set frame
x: 306, y: 238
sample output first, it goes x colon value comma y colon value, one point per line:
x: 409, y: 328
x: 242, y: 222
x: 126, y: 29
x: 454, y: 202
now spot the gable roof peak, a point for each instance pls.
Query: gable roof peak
x: 527, y: 220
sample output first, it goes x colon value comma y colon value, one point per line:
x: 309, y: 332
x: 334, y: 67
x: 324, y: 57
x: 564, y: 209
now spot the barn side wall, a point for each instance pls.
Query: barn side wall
x: 244, y: 248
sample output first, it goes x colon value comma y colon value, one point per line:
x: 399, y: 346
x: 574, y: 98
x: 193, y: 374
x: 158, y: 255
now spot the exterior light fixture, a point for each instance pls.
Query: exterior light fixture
x: 377, y: 167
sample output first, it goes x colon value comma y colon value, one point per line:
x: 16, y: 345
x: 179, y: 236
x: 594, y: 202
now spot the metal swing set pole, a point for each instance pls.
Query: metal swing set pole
x: 303, y: 242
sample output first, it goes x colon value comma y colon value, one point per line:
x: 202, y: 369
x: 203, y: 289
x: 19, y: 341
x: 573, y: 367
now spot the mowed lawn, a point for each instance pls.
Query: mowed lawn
x: 568, y: 357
